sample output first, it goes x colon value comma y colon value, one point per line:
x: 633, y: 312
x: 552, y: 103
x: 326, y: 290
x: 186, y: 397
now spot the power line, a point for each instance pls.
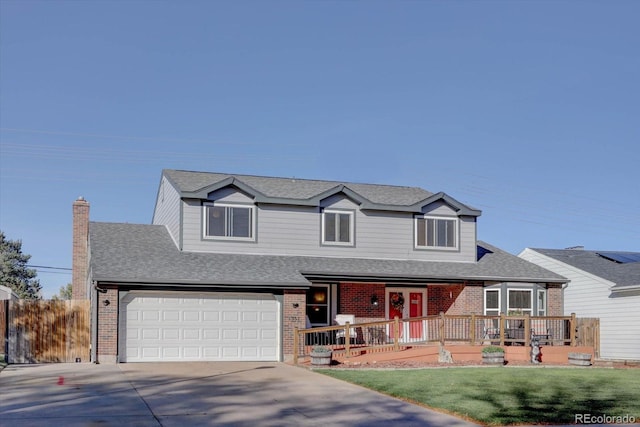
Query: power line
x: 49, y: 268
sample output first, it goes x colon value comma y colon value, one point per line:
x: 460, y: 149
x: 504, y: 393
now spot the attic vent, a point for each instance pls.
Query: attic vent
x: 621, y: 257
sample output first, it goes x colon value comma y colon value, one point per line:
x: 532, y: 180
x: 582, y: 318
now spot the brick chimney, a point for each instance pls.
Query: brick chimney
x: 80, y: 260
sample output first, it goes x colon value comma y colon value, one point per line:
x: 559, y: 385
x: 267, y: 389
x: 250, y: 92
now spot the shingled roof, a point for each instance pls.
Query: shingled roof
x: 624, y: 275
x: 146, y: 254
x: 297, y: 191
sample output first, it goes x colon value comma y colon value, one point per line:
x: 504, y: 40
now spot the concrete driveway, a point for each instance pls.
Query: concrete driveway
x: 193, y: 394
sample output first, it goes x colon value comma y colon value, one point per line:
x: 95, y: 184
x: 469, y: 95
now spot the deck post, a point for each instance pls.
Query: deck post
x: 396, y: 334
x: 502, y: 329
x: 442, y: 327
x: 347, y: 340
x: 295, y: 345
x: 527, y: 329
x: 572, y: 329
x: 472, y: 331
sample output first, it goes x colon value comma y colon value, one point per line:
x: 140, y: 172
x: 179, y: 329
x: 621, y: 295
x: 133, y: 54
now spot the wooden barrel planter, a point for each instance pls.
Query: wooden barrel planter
x: 493, y: 356
x: 321, y: 357
x: 580, y: 359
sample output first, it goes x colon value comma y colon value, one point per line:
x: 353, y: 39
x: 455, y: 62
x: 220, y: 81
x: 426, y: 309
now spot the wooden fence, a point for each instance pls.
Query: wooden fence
x: 4, y: 307
x: 392, y: 335
x: 45, y: 331
x: 588, y: 333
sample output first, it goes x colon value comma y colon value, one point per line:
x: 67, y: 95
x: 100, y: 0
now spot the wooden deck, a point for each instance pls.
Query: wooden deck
x: 461, y: 354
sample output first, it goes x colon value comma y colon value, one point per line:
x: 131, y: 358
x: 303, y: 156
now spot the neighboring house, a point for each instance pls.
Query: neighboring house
x: 7, y: 293
x: 233, y: 263
x: 604, y: 284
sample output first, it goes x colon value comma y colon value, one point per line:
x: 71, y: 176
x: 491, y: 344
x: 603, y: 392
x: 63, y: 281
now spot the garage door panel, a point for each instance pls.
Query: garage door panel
x: 170, y: 334
x: 211, y: 334
x: 177, y: 326
x: 150, y: 334
x: 170, y: 352
x: 171, y: 315
x: 211, y: 316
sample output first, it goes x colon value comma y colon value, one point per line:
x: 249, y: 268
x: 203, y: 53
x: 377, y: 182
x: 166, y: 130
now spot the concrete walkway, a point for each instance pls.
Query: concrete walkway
x: 196, y: 394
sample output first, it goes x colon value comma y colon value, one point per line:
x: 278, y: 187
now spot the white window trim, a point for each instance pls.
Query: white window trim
x: 530, y: 310
x: 499, y: 300
x: 543, y: 309
x: 205, y: 220
x: 440, y: 248
x: 352, y: 228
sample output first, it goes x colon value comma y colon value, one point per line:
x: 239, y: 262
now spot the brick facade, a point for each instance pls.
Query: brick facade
x: 293, y: 313
x: 80, y: 250
x: 458, y: 298
x: 554, y: 301
x: 355, y: 298
x: 107, y: 350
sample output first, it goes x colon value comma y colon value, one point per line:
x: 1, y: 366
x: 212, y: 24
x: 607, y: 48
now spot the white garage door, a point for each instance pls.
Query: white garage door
x: 178, y: 326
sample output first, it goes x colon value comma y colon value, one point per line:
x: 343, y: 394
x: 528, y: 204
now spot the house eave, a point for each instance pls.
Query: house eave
x: 626, y: 288
x: 201, y: 284
x: 391, y: 278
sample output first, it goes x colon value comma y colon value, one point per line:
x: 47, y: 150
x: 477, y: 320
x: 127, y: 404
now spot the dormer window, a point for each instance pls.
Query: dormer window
x: 337, y: 227
x: 229, y: 221
x: 436, y: 233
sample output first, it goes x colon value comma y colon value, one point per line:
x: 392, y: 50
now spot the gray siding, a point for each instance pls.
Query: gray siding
x: 167, y: 211
x: 294, y: 230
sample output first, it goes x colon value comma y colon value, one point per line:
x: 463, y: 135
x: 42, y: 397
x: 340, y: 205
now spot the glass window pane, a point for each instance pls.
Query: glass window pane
x: 240, y: 222
x: 431, y: 240
x: 542, y: 303
x: 318, y: 314
x: 344, y: 228
x: 421, y: 232
x: 492, y: 301
x: 519, y: 300
x: 330, y: 227
x: 441, y: 232
x: 451, y: 233
x: 317, y: 295
x: 216, y: 221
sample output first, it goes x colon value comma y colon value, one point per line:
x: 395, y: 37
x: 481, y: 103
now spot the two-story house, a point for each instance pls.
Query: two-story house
x: 231, y: 264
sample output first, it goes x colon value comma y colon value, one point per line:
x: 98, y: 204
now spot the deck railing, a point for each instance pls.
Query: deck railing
x: 392, y: 335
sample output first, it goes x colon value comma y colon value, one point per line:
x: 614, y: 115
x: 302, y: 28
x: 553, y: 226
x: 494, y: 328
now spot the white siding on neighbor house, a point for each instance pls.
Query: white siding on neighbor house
x: 167, y: 211
x: 296, y: 230
x: 590, y: 296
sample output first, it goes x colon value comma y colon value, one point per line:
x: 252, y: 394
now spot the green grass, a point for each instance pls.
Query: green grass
x: 503, y: 396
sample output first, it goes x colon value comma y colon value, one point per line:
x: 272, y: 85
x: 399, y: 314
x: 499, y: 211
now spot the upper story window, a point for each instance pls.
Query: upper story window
x: 337, y: 227
x: 436, y: 232
x: 228, y: 221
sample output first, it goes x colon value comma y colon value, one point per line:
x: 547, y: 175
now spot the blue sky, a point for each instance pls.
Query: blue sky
x: 526, y: 110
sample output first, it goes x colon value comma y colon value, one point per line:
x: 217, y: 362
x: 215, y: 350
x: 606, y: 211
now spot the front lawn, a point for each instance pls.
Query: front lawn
x: 500, y: 395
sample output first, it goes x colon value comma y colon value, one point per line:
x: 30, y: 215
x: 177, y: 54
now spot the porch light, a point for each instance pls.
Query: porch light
x: 374, y: 300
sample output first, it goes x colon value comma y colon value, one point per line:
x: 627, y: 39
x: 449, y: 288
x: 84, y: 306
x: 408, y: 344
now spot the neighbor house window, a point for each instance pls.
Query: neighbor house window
x: 337, y: 227
x: 492, y: 302
x: 432, y: 232
x: 225, y: 221
x: 519, y: 301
